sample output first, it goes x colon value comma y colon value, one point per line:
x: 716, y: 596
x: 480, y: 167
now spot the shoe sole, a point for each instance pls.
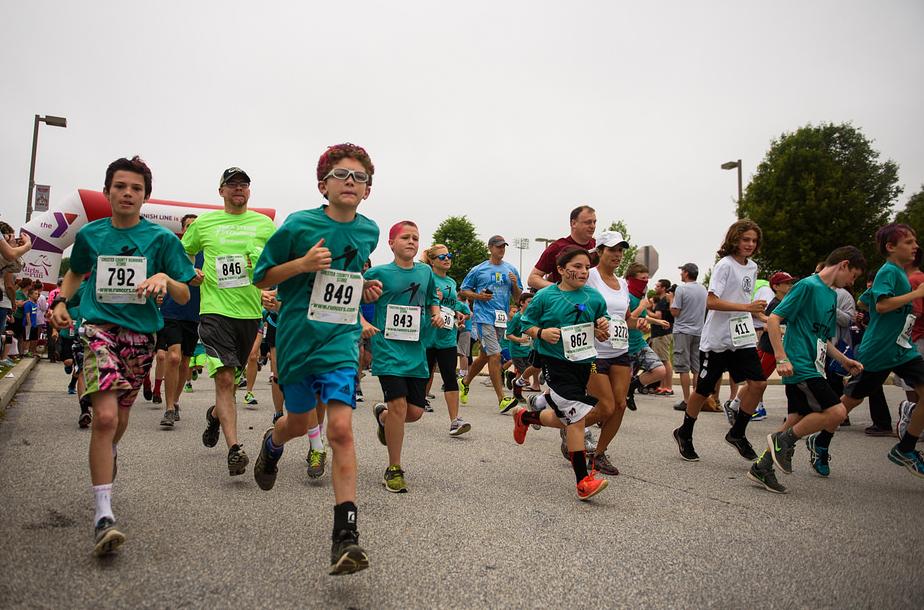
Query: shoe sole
x: 460, y: 430
x: 512, y: 404
x: 909, y: 467
x: 773, y: 455
x: 379, y: 426
x: 166, y: 424
x: 265, y: 480
x: 764, y: 485
x: 403, y: 490
x: 680, y: 449
x: 239, y: 468
x: 212, y: 430
x: 352, y: 561
x: 602, y: 486
x: 109, y: 543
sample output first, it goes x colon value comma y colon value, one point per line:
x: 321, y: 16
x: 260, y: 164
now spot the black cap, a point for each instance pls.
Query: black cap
x: 231, y: 172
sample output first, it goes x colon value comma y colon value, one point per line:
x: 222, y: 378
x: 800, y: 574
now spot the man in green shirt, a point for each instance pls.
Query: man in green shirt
x: 230, y: 311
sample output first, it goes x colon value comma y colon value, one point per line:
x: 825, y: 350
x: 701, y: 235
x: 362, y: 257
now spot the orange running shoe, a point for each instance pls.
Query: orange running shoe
x: 590, y: 486
x: 519, y: 428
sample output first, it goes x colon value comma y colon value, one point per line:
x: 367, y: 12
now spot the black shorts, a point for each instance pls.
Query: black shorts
x: 742, y: 365
x: 810, y: 396
x: 67, y: 347
x: 446, y: 359
x: 228, y: 340
x: 179, y: 332
x: 569, y: 379
x: 603, y: 364
x: 270, y: 336
x: 18, y: 329
x: 412, y: 389
x: 862, y: 385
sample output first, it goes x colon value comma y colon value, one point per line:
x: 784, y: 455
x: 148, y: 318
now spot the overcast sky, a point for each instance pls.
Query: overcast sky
x: 509, y: 112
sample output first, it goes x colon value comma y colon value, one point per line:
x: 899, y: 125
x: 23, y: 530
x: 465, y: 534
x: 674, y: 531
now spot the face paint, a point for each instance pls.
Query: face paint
x: 570, y: 274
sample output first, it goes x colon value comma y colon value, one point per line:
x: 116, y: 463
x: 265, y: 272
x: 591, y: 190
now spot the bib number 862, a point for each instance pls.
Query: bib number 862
x: 579, y: 340
x: 121, y: 276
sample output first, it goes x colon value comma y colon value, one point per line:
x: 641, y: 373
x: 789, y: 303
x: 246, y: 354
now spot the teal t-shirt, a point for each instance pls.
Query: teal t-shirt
x: 162, y: 251
x: 412, y: 287
x: 306, y: 346
x: 448, y: 295
x: 515, y: 328
x: 553, y: 307
x: 636, y: 337
x: 810, y: 314
x: 883, y: 347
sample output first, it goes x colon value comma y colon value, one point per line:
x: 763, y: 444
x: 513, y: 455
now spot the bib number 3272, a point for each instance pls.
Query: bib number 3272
x: 578, y: 342
x: 741, y: 328
x: 118, y: 277
x: 231, y: 271
x: 619, y: 334
x: 335, y: 297
x: 402, y: 323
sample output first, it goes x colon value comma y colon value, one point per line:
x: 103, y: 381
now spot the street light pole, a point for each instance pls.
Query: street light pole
x: 733, y: 165
x: 54, y: 121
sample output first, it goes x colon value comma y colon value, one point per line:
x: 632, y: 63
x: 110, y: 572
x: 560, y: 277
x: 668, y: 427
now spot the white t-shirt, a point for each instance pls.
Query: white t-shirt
x: 617, y: 304
x: 734, y: 283
x: 764, y: 293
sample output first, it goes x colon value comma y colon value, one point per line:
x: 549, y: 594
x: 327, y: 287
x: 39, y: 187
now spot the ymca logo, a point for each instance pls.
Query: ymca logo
x: 62, y: 221
x: 747, y: 284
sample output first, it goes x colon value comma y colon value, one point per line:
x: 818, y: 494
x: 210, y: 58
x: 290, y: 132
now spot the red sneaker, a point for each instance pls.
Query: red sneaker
x: 519, y: 428
x: 589, y: 487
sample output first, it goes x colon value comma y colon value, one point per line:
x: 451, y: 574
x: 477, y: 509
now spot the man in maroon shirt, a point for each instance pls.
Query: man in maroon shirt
x: 583, y: 225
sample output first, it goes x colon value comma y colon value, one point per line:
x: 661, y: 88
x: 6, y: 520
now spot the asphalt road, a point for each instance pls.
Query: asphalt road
x: 487, y: 523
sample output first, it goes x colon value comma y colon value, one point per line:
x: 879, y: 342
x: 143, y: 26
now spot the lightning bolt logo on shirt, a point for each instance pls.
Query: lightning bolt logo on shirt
x: 349, y: 254
x: 412, y: 289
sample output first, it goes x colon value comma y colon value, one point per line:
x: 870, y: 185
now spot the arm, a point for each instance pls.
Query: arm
x: 316, y: 259
x: 536, y: 279
x: 60, y: 318
x: 887, y: 304
x: 716, y: 304
x: 783, y: 366
x: 11, y: 253
x: 853, y: 367
x: 9, y: 286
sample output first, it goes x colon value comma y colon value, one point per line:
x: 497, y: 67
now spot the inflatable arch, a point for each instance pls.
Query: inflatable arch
x: 54, y: 231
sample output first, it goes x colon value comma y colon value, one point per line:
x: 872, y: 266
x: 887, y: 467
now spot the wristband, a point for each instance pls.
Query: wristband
x: 539, y: 334
x: 57, y: 301
x: 782, y: 361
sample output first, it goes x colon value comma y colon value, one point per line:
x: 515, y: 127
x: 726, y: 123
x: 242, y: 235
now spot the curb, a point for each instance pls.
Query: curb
x: 9, y: 387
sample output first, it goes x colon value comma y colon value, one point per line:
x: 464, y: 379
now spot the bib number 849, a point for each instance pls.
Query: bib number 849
x: 341, y: 293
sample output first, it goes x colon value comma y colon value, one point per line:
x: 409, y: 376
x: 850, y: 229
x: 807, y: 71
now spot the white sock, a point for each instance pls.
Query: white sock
x: 540, y: 403
x: 314, y: 437
x: 103, y: 496
x: 735, y: 404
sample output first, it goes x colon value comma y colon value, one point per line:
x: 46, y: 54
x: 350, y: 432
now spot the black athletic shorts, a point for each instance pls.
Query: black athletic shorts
x: 603, y: 364
x: 228, y: 340
x: 270, y: 336
x: 67, y: 347
x: 862, y: 385
x: 742, y: 365
x: 810, y: 396
x: 412, y: 389
x: 569, y: 379
x: 179, y: 332
x: 446, y: 359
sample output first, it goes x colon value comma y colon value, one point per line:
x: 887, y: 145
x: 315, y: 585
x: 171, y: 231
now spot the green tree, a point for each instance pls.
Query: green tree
x: 628, y: 257
x: 913, y: 214
x: 458, y: 234
x: 819, y: 188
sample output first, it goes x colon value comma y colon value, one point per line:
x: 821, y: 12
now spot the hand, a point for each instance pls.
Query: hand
x: 484, y: 296
x: 197, y: 281
x: 602, y: 329
x: 551, y: 335
x: 268, y: 300
x: 372, y: 290
x: 642, y: 325
x: 316, y: 259
x: 436, y: 320
x: 368, y: 329
x: 154, y: 286
x: 757, y: 306
x: 784, y: 368
x: 460, y: 320
x: 439, y: 294
x: 24, y: 239
x: 512, y: 277
x: 60, y: 318
x: 853, y: 367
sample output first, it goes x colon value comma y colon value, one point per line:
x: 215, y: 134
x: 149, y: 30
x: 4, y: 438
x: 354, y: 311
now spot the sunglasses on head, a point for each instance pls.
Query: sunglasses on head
x: 443, y: 257
x: 341, y: 173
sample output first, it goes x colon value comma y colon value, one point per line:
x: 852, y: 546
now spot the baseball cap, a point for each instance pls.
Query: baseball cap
x: 781, y: 277
x: 497, y: 240
x: 231, y: 172
x: 690, y: 268
x: 611, y: 238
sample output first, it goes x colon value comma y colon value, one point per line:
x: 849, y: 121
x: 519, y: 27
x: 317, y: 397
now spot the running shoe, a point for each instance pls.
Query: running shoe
x: 463, y: 392
x: 346, y: 556
x: 242, y: 383
x: 106, y: 537
x: 277, y: 415
x: 760, y: 413
x: 71, y: 390
x: 147, y: 392
x: 912, y: 460
x: 84, y: 420
x: 781, y: 452
x: 394, y: 480
x: 316, y: 461
x: 168, y: 419
x: 212, y: 429
x: 905, y: 411
x: 188, y: 387
x: 9, y: 363
x: 506, y: 403
x: 427, y: 407
x: 875, y: 430
x: 509, y: 376
x: 377, y: 410
x: 730, y: 412
x: 590, y: 486
x: 519, y: 428
x: 520, y: 382
x: 431, y: 396
x: 359, y: 394
x: 176, y: 412
x: 264, y: 471
x: 630, y: 402
x: 685, y: 446
x: 459, y: 427
x: 743, y: 445
x: 766, y: 478
x: 237, y: 460
x: 156, y: 399
x: 680, y: 406
x: 249, y: 398
x: 195, y: 375
x: 664, y: 392
x: 818, y: 456
x: 600, y: 462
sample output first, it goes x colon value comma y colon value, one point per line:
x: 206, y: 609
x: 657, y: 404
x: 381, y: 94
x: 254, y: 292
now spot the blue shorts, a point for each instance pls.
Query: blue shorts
x: 505, y: 355
x: 333, y: 386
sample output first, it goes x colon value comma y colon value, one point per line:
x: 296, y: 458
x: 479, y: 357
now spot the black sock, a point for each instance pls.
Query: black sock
x: 686, y: 429
x: 824, y: 439
x: 634, y: 385
x: 344, y: 517
x: 907, y: 443
x: 579, y: 463
x: 73, y: 384
x: 532, y: 417
x: 741, y: 423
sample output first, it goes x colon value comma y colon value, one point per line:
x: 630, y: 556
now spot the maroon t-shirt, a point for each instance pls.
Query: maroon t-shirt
x: 546, y: 263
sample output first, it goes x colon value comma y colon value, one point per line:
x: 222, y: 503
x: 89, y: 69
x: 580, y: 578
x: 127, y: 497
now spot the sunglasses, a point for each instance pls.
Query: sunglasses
x: 341, y: 173
x: 443, y: 257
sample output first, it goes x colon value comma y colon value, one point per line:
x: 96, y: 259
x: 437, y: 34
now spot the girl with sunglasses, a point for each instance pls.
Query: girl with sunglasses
x: 441, y: 342
x: 564, y: 319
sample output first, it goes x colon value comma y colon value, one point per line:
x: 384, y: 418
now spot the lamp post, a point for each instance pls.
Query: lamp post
x: 521, y: 243
x: 733, y: 165
x: 54, y: 121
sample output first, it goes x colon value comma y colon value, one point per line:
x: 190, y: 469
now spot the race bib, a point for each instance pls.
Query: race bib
x: 231, y: 271
x: 741, y: 328
x: 821, y: 352
x: 578, y: 342
x: 500, y: 318
x: 904, y: 337
x: 118, y: 277
x: 402, y: 323
x: 449, y: 317
x: 619, y: 334
x: 335, y: 297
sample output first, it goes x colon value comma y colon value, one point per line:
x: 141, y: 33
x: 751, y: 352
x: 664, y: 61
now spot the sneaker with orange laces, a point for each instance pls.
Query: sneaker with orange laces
x: 590, y: 486
x: 519, y: 428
